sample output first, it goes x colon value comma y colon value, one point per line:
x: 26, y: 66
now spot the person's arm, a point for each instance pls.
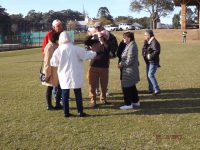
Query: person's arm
x: 55, y: 59
x: 155, y: 49
x: 45, y: 42
x: 84, y: 54
x: 47, y: 57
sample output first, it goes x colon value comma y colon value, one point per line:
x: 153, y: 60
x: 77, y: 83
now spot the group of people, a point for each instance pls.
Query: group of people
x: 63, y: 66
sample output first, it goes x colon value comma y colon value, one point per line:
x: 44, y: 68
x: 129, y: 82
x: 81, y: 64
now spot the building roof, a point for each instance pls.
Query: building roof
x: 188, y: 2
x: 82, y: 23
x: 137, y: 25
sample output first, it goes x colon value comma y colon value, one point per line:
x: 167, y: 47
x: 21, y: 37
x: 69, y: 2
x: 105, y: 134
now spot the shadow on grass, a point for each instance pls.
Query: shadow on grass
x: 178, y: 101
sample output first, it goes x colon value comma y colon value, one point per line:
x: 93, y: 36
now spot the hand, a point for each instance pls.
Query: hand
x: 119, y: 66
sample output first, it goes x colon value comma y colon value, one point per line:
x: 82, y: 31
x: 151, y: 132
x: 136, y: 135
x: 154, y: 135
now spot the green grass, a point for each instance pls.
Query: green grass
x: 168, y: 121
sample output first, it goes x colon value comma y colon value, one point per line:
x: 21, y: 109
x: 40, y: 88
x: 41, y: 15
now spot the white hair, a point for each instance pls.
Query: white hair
x: 64, y: 38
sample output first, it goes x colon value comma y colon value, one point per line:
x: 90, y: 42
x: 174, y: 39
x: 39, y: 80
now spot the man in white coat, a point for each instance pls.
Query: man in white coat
x: 69, y: 60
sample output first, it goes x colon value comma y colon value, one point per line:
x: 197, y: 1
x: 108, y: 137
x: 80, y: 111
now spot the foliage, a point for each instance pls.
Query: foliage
x: 35, y: 21
x: 191, y: 16
x: 156, y: 8
x: 144, y: 21
x: 176, y: 21
x: 4, y: 21
x: 121, y: 19
x: 106, y: 21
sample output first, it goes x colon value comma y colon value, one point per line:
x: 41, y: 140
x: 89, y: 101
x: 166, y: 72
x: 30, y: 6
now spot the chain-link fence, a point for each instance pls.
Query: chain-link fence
x: 24, y: 40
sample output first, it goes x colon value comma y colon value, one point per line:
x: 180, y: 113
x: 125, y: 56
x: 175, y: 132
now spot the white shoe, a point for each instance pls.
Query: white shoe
x: 107, y: 94
x: 126, y: 107
x: 98, y: 93
x: 136, y: 104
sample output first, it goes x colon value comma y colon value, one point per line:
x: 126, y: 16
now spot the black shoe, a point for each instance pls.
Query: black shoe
x: 82, y: 114
x: 93, y: 105
x: 156, y: 93
x: 67, y: 115
x: 49, y: 107
x: 150, y: 92
x: 104, y: 102
x: 57, y: 107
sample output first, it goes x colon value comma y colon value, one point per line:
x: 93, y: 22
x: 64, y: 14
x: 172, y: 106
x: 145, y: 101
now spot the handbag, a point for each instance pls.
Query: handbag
x: 41, y: 74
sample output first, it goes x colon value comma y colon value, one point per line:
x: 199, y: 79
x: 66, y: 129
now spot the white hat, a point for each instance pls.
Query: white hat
x: 64, y: 38
x: 56, y: 22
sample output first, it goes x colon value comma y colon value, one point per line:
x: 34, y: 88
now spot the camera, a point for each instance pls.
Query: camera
x: 42, y: 77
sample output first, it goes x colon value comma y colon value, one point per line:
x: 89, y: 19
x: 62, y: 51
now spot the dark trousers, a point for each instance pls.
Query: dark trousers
x: 130, y: 95
x: 58, y: 94
x: 65, y: 99
x: 49, y: 95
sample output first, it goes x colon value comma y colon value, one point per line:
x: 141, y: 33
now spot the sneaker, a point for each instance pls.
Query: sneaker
x: 104, y: 103
x: 136, y: 104
x: 156, y: 93
x: 67, y: 115
x: 50, y: 107
x: 83, y: 114
x: 57, y: 107
x: 126, y: 107
x: 107, y: 93
x: 150, y: 92
x: 98, y: 93
x: 93, y: 105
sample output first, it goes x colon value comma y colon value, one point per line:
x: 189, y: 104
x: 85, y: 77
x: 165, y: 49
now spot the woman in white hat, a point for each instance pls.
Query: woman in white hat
x: 69, y: 60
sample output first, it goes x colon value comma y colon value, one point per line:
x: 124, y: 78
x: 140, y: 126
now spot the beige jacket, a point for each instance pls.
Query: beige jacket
x: 49, y: 71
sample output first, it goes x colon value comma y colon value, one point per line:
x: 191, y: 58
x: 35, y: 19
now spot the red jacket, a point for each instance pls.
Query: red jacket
x: 45, y: 41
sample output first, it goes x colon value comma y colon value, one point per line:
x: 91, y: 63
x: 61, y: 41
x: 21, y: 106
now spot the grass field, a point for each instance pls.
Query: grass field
x: 170, y: 121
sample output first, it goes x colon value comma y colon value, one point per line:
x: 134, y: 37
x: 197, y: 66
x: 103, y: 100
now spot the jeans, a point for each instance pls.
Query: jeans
x: 151, y: 70
x: 49, y: 92
x: 65, y: 99
x: 57, y: 94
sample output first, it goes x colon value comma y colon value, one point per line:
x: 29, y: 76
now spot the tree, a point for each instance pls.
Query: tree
x: 176, y: 21
x: 190, y: 16
x: 103, y: 12
x: 4, y: 21
x: 156, y: 8
x: 142, y: 21
x: 121, y: 19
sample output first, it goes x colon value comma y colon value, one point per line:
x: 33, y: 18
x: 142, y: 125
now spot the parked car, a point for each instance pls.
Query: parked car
x: 111, y: 27
x: 126, y: 26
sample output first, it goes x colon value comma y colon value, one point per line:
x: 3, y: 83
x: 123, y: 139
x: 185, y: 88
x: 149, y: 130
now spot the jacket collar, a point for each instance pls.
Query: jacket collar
x: 151, y: 39
x: 128, y: 45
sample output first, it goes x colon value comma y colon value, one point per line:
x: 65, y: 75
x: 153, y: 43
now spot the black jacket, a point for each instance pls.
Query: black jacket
x: 151, y: 51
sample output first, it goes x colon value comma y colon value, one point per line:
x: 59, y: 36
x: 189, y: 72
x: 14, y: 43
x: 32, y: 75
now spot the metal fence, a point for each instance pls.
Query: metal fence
x: 24, y: 40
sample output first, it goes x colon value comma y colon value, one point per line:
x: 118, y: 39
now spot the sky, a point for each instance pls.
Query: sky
x: 116, y: 7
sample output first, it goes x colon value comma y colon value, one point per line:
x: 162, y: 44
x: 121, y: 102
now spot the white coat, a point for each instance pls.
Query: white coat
x: 69, y: 60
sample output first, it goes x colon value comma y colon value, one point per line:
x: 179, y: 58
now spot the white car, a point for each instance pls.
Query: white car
x: 126, y: 26
x: 111, y: 27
